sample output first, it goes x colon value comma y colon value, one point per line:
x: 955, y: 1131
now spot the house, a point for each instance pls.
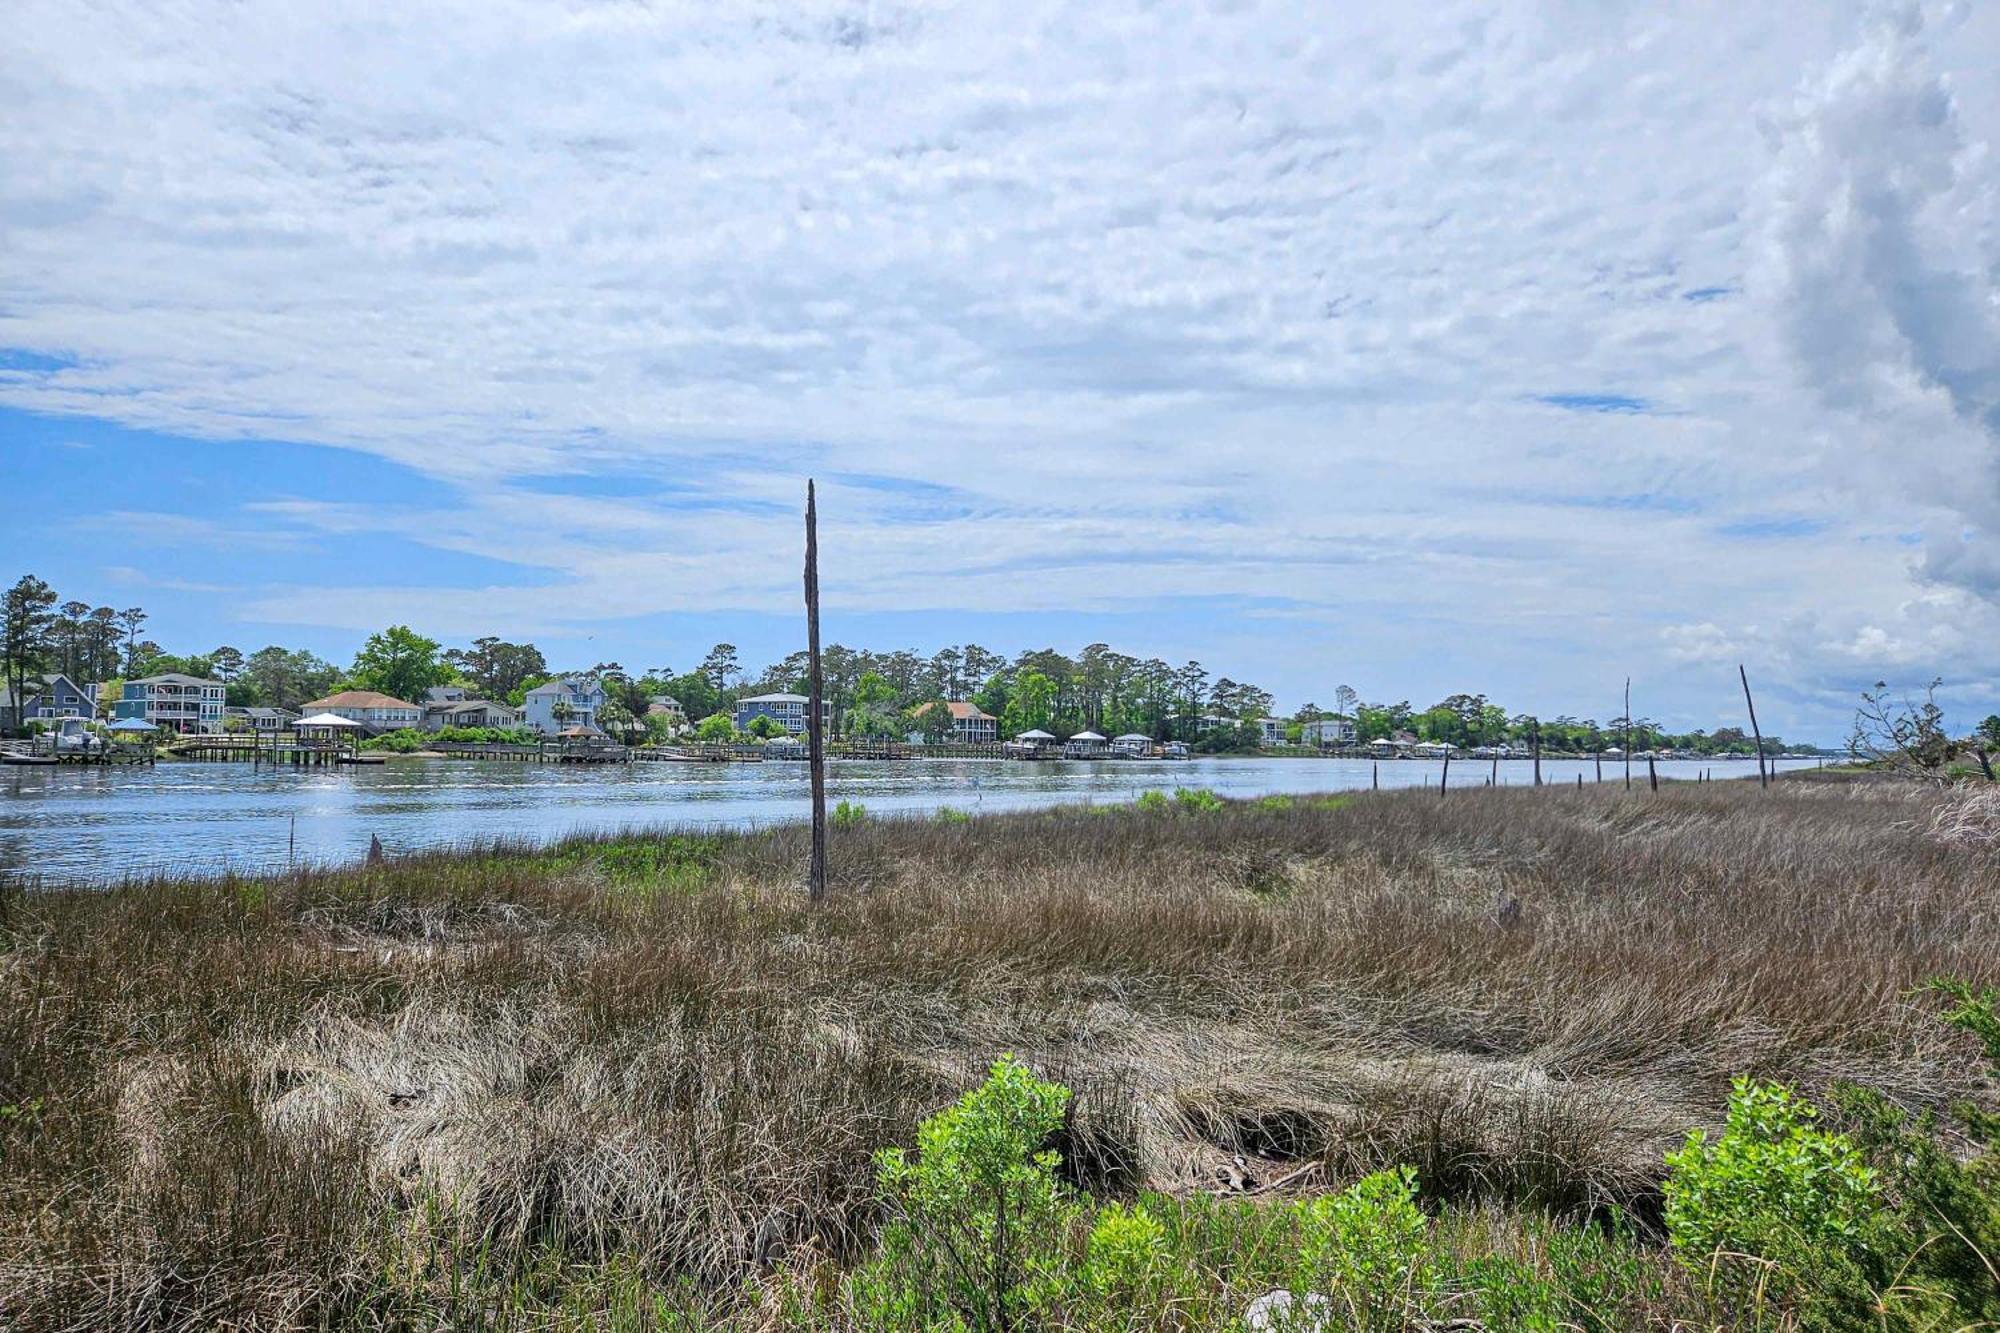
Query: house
x: 174, y: 702
x: 1328, y: 732
x: 969, y: 725
x: 562, y: 704
x: 469, y: 713
x: 46, y: 698
x: 787, y: 710
x: 263, y: 721
x: 1271, y: 731
x: 445, y: 694
x: 373, y: 710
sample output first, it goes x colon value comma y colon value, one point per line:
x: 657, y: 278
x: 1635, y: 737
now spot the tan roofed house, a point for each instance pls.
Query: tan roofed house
x: 968, y: 723
x: 372, y: 709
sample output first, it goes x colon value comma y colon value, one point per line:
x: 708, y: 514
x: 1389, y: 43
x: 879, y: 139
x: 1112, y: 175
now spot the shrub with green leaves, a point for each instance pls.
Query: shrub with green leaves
x: 1153, y: 801
x: 1128, y: 1257
x: 949, y: 815
x: 1367, y: 1248
x: 1775, y: 1209
x: 849, y: 813
x: 1196, y: 800
x: 978, y: 1214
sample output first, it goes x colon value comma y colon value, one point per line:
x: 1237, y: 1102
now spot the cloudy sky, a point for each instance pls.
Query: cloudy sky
x: 1422, y: 347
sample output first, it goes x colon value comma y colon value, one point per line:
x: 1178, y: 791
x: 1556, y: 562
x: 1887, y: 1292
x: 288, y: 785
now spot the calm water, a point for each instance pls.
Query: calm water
x: 104, y: 824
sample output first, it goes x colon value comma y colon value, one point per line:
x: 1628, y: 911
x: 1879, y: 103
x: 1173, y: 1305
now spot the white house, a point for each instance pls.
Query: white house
x: 1271, y: 731
x: 174, y: 702
x: 1329, y: 732
x: 1084, y: 745
x: 372, y: 709
x: 562, y: 704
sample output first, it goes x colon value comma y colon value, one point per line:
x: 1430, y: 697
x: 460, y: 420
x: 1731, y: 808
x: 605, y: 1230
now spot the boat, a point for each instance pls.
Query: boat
x: 369, y: 759
x: 28, y: 760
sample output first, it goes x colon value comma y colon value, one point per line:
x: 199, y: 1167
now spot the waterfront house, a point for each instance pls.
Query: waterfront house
x: 565, y: 702
x: 470, y: 713
x: 969, y: 724
x: 373, y: 710
x: 1328, y: 732
x: 1271, y: 731
x: 263, y: 721
x: 174, y: 702
x: 45, y: 699
x: 1132, y: 745
x: 787, y: 710
x: 445, y: 694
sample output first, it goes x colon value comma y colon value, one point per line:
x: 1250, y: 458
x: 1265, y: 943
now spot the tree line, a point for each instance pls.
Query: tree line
x: 869, y: 694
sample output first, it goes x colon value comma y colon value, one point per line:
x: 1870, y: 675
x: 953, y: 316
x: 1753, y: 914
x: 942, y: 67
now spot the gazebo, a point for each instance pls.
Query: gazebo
x: 1132, y: 744
x: 1084, y: 745
x: 328, y: 729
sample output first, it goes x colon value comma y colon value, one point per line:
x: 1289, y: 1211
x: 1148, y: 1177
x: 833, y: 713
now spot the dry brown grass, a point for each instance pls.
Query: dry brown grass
x: 261, y: 1102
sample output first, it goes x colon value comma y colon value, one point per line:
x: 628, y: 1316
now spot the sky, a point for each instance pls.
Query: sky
x: 1512, y: 349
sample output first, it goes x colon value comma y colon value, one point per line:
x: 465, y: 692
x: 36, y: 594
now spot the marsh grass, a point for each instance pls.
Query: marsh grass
x: 628, y: 1074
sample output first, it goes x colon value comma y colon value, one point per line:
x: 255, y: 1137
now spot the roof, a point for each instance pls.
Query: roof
x: 172, y: 678
x: 1086, y: 736
x: 1135, y: 736
x: 562, y: 685
x: 467, y: 705
x: 1037, y: 735
x: 326, y: 720
x: 360, y: 699
x: 260, y: 712
x: 665, y: 703
x: 962, y: 710
x: 774, y: 699
x: 133, y: 724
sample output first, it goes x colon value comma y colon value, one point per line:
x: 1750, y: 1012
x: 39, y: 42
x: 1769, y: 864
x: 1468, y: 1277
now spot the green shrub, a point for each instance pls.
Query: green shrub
x: 849, y: 813
x: 1939, y: 1260
x: 948, y: 815
x: 1197, y: 800
x: 1152, y: 800
x: 978, y: 1215
x: 1127, y: 1257
x: 1366, y: 1247
x: 1275, y: 802
x: 1775, y: 1209
x: 405, y: 740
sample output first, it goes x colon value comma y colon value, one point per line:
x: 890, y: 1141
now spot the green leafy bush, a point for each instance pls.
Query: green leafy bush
x: 948, y: 815
x: 1196, y: 800
x: 1153, y: 800
x: 979, y: 1216
x: 1366, y: 1247
x: 1775, y: 1209
x: 849, y: 813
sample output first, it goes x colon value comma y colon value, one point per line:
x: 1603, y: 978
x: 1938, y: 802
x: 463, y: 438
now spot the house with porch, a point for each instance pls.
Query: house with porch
x: 787, y: 710
x: 470, y: 713
x: 174, y: 702
x: 374, y: 710
x: 969, y: 724
x: 562, y: 704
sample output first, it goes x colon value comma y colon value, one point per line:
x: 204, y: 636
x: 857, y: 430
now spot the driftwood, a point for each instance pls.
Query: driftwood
x: 1763, y: 777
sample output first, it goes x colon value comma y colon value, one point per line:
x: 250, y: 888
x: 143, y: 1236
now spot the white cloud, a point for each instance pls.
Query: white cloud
x: 1257, y: 301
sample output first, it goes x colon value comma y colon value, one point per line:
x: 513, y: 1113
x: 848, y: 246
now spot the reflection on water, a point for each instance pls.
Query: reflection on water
x: 103, y: 824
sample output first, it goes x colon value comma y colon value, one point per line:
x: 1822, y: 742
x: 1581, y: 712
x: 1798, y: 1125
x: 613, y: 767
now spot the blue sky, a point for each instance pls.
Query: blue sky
x: 1499, y: 348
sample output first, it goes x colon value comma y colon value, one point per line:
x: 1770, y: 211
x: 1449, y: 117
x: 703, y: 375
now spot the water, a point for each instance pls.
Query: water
x: 99, y: 824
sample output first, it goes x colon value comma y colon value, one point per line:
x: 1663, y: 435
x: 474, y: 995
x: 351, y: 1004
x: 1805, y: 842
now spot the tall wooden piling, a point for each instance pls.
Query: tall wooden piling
x: 815, y: 692
x: 1763, y: 777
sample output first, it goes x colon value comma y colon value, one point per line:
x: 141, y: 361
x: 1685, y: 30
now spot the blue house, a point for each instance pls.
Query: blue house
x: 47, y: 698
x: 787, y: 710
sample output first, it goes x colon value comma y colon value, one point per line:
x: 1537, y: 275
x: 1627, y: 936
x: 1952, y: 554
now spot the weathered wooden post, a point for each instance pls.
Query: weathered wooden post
x: 1628, y: 733
x: 1763, y: 778
x: 1535, y: 742
x: 1493, y: 778
x: 815, y: 742
x: 1599, y: 757
x: 1652, y: 773
x: 1445, y: 776
x: 1375, y: 780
